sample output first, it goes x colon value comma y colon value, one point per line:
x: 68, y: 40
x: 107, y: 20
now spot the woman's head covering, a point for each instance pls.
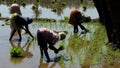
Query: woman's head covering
x: 62, y: 35
x: 15, y: 8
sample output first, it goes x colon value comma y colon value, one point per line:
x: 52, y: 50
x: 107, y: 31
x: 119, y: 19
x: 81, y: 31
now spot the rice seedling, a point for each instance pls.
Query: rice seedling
x: 54, y: 1
x: 93, y: 49
x: 66, y: 18
x: 37, y: 1
x: 86, y: 49
x: 63, y: 4
x: 15, y: 1
x: 23, y: 4
x: 15, y: 51
x: 33, y: 7
x: 84, y: 8
x: 2, y: 24
x: 54, y: 10
x: 0, y: 15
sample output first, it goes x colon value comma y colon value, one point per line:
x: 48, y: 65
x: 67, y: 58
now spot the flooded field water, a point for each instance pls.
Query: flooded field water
x: 81, y: 50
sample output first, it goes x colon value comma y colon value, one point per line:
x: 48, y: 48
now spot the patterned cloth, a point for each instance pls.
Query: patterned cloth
x: 48, y: 37
x: 75, y: 17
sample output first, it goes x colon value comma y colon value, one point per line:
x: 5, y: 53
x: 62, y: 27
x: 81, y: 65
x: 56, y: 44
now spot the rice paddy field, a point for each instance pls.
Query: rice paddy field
x: 81, y: 50
x: 88, y: 50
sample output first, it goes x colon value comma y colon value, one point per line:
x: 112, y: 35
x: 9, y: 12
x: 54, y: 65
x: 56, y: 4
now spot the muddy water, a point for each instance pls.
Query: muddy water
x: 47, y: 13
x: 6, y: 60
x: 31, y: 56
x: 75, y: 56
x: 31, y: 53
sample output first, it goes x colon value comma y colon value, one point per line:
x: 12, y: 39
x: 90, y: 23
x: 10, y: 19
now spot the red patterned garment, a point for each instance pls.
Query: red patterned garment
x: 75, y: 16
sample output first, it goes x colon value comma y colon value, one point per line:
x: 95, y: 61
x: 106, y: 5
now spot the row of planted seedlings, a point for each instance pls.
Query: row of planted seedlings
x: 15, y: 52
x: 77, y: 45
x: 87, y: 49
x: 91, y: 49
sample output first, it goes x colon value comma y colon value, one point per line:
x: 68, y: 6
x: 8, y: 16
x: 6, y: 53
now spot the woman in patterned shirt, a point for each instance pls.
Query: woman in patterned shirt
x: 46, y: 36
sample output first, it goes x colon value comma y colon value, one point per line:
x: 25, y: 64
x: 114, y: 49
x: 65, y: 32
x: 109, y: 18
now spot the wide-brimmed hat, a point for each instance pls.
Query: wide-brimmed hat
x: 62, y: 35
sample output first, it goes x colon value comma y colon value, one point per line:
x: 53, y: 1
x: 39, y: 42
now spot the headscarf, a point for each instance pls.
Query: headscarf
x: 62, y: 35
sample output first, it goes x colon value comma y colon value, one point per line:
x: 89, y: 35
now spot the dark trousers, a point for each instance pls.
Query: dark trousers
x: 76, y: 27
x: 42, y: 45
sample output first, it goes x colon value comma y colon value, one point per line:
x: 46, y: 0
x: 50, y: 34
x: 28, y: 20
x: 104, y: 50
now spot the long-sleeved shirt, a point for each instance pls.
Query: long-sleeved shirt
x: 49, y: 36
